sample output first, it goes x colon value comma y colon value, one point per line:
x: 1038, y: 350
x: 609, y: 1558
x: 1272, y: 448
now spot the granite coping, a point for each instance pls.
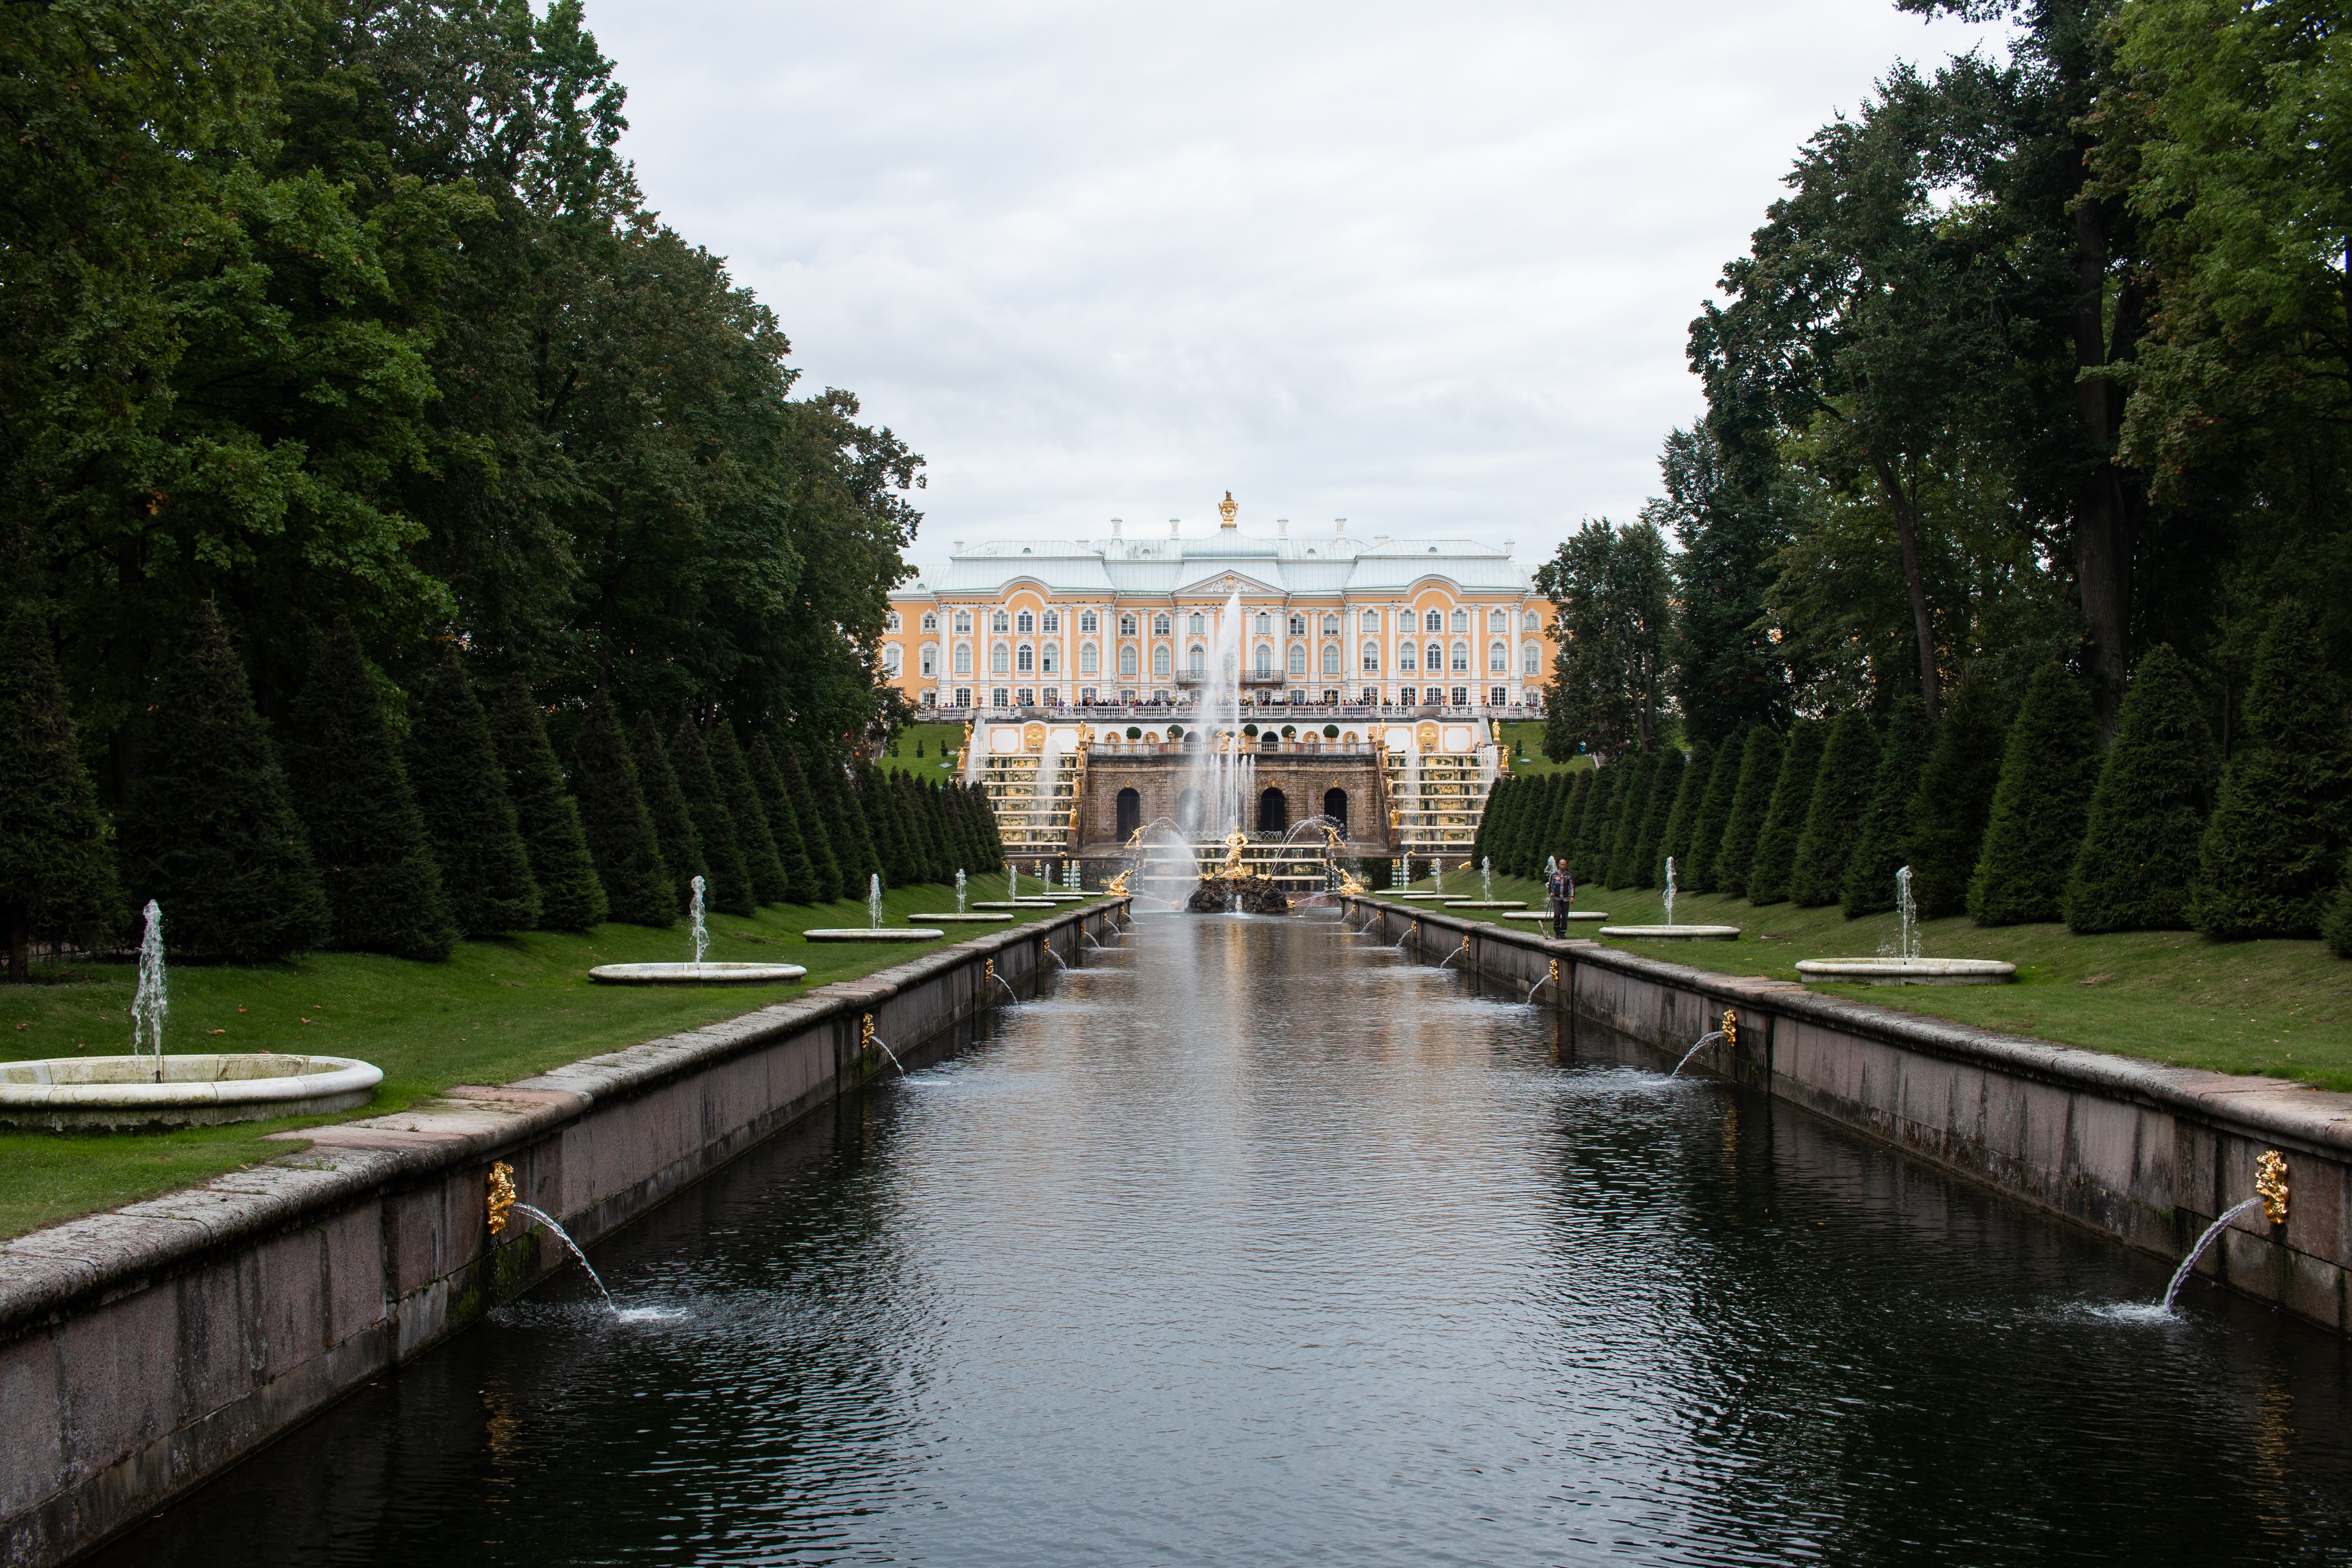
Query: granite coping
x: 103, y: 1256
x: 2277, y: 1109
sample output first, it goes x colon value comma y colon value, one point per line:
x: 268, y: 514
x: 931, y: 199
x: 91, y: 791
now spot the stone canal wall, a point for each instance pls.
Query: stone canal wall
x: 145, y: 1350
x: 2148, y: 1153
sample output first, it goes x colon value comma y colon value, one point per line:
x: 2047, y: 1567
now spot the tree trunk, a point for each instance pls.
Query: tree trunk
x: 1923, y: 626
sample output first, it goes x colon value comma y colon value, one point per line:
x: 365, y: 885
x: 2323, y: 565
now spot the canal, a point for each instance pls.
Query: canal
x: 1252, y: 1243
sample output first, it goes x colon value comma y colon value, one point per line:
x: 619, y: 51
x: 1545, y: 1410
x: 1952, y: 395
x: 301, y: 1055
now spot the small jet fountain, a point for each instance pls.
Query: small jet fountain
x: 874, y: 929
x: 1904, y: 966
x: 964, y: 914
x: 695, y: 970
x: 2270, y: 1197
x: 1671, y: 932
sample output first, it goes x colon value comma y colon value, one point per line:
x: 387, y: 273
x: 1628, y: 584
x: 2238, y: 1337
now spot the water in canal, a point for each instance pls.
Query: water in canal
x: 1250, y: 1244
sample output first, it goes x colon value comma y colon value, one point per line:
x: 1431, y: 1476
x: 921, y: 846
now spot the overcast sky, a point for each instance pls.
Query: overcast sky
x: 1426, y: 267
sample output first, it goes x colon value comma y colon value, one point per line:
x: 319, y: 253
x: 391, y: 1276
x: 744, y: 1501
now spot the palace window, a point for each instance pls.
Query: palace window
x: 1086, y: 696
x: 1049, y: 658
x: 963, y: 625
x: 1299, y: 626
x: 1532, y: 621
x: 1199, y: 624
x: 890, y: 660
x: 1025, y: 660
x: 930, y: 660
x: 1498, y: 659
x: 1330, y: 626
x: 1461, y: 697
x: 1433, y: 621
x: 1371, y: 658
x: 1087, y: 621
x: 1531, y: 658
x: 964, y: 658
x: 1298, y: 658
x: 1405, y: 695
x: 1053, y: 620
x: 1405, y: 658
x: 1000, y: 622
x: 1088, y: 659
x: 1372, y: 695
x: 1024, y: 697
x: 999, y: 698
x: 1196, y: 662
x: 1127, y: 625
x: 1331, y: 659
x: 1497, y: 695
x: 1461, y: 656
x: 1461, y: 620
x: 931, y: 699
x: 963, y: 696
x: 1159, y: 660
x: 1127, y: 659
x: 1371, y: 621
x: 1264, y: 625
x: 1265, y: 657
x: 999, y: 660
x: 1052, y: 696
x: 1434, y: 659
x: 890, y: 622
x: 1025, y: 623
x: 930, y: 620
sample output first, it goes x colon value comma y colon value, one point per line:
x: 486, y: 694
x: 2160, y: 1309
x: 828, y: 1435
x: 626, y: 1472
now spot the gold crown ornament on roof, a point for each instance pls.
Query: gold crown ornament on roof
x: 1226, y: 508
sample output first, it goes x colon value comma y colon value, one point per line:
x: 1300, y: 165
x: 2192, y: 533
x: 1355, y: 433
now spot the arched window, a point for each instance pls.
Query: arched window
x: 1298, y: 658
x: 1532, y: 621
x: 1024, y: 661
x: 963, y: 621
x: 1461, y: 656
x: 1273, y: 812
x: 1131, y: 814
x: 890, y: 659
x: 1088, y: 663
x: 1159, y: 661
x: 1435, y: 660
x: 1330, y: 626
x: 930, y: 620
x: 930, y: 658
x: 1264, y: 625
x: 1087, y: 621
x: 1197, y: 660
x: 1127, y: 659
x: 999, y: 660
x: 1000, y: 622
x: 1531, y: 658
x: 1498, y: 659
x: 1265, y: 659
x: 1371, y: 658
x: 999, y: 698
x: 1433, y: 621
x: 1331, y: 659
x: 890, y: 622
x: 1053, y: 620
x: 1335, y: 807
x: 1299, y: 626
x: 1160, y: 624
x: 1405, y: 658
x: 1372, y: 621
x: 1049, y: 658
x: 1127, y: 625
x: 1199, y: 624
x: 1025, y: 623
x: 1497, y: 621
x: 964, y: 658
x: 1461, y: 620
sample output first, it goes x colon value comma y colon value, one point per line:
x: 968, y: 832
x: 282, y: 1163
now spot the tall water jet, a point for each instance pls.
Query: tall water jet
x: 151, y: 1001
x: 695, y: 973
x: 874, y: 901
x: 959, y: 890
x: 1487, y: 877
x: 1220, y: 768
x: 694, y: 915
x: 1670, y: 889
x: 1909, y: 912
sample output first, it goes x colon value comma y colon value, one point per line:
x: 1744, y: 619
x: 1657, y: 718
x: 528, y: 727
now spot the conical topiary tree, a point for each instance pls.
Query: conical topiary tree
x: 57, y: 854
x: 728, y: 889
x: 2268, y: 862
x: 674, y: 829
x: 890, y: 847
x: 1682, y: 816
x: 1665, y: 784
x: 1714, y: 811
x: 616, y: 823
x: 461, y: 793
x: 383, y: 889
x: 1507, y: 846
x: 1625, y: 832
x: 1498, y: 801
x: 814, y: 817
x: 1784, y: 818
x: 784, y: 824
x: 571, y: 894
x: 1869, y: 885
x: 1572, y: 818
x: 861, y: 859
x: 762, y: 863
x: 211, y: 832
x: 2047, y: 772
x: 1945, y: 836
x: 1598, y: 835
x: 1751, y: 796
x: 1841, y: 800
x: 2138, y: 859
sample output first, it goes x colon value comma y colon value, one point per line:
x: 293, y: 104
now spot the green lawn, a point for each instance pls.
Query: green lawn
x: 497, y: 1011
x: 938, y: 742
x: 1527, y: 735
x: 2278, y: 1007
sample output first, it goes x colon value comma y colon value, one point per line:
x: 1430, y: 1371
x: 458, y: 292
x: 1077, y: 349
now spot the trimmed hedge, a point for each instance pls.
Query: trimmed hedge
x: 1784, y: 819
x: 1841, y: 792
x: 2138, y: 859
x: 762, y: 864
x: 56, y: 856
x: 727, y: 882
x: 1682, y: 818
x: 1665, y: 786
x: 1760, y: 771
x: 571, y: 895
x: 616, y: 823
x: 1945, y: 838
x: 2047, y: 772
x: 453, y: 765
x: 1714, y: 812
x: 673, y: 826
x: 1869, y: 885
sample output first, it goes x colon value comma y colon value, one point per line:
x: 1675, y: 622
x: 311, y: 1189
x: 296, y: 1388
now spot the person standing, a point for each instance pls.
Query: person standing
x: 1561, y: 887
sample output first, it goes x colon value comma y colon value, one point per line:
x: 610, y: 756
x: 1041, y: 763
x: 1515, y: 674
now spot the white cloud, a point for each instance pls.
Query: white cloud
x: 1427, y: 268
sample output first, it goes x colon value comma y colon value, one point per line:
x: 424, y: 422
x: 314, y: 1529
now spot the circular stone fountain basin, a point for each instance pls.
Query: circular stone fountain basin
x: 1546, y: 914
x: 962, y: 920
x: 874, y: 934
x: 1908, y: 970
x: 1012, y: 904
x: 1485, y: 903
x: 1671, y: 933
x: 73, y: 1094
x: 695, y: 974
x: 1425, y: 893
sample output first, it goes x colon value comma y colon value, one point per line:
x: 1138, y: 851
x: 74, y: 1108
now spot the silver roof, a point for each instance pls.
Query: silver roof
x: 1079, y: 568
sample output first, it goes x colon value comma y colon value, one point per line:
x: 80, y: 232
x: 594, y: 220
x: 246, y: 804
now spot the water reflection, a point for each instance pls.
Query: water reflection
x: 1253, y: 1243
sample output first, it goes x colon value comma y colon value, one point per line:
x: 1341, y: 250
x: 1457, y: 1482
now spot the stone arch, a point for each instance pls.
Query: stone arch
x: 1131, y: 812
x: 1273, y: 811
x: 1335, y: 807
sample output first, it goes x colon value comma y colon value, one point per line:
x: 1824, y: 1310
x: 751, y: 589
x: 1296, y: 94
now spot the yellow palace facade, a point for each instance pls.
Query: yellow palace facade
x: 1330, y: 622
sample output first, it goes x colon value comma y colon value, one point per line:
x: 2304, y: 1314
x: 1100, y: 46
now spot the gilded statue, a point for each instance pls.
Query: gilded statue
x: 1227, y: 508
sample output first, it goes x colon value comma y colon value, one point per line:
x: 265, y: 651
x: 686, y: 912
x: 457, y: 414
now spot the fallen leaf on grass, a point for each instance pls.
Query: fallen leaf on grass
x: 216, y: 1031
x: 2093, y: 980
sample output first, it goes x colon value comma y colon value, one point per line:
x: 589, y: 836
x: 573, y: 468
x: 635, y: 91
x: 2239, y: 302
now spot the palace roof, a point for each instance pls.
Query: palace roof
x: 1081, y: 568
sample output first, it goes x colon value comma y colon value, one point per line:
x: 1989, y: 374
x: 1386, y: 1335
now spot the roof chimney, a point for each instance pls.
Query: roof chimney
x: 1114, y: 527
x: 958, y: 547
x: 1172, y: 526
x: 1339, y: 530
x: 1282, y: 526
x: 1507, y: 544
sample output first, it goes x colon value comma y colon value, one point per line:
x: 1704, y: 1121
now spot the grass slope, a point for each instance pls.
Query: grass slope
x: 2280, y: 1007
x: 495, y: 1011
x: 1526, y: 735
x: 938, y: 741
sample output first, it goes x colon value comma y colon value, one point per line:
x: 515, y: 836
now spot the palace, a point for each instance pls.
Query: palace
x: 1336, y: 623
